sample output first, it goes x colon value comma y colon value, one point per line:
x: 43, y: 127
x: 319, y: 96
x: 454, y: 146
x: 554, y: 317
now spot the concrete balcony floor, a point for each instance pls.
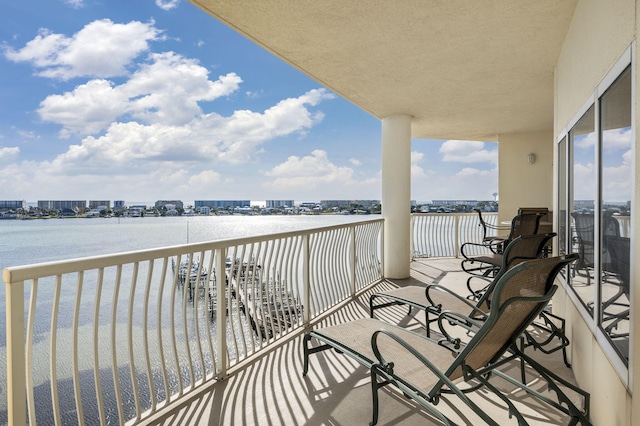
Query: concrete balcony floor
x: 270, y: 390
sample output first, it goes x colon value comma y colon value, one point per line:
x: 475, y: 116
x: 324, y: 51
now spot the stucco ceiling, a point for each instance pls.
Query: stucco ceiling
x: 462, y: 69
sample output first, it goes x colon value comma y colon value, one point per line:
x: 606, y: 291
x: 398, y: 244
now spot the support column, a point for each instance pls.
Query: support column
x: 396, y: 194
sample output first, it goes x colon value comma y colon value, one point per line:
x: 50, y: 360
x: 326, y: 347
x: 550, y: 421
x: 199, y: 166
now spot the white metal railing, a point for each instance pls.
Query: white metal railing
x: 115, y: 338
x: 442, y: 235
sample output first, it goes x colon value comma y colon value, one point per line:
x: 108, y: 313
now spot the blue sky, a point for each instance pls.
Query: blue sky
x: 154, y: 99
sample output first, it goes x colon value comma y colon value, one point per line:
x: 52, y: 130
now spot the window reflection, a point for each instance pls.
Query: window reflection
x: 562, y: 197
x: 582, y: 149
x: 615, y: 151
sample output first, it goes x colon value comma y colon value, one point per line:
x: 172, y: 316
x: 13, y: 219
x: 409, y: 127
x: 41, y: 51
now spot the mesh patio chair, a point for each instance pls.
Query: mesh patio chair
x: 584, y: 226
x: 619, y: 267
x: 495, y: 243
x: 520, y: 249
x: 425, y: 369
x: 488, y: 264
x: 549, y: 334
x: 546, y: 222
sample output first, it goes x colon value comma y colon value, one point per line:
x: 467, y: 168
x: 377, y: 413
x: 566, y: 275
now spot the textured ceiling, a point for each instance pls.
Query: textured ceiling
x: 462, y: 69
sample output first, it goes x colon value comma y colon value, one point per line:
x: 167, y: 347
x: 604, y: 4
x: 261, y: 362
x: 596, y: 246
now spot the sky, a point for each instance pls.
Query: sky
x: 151, y: 100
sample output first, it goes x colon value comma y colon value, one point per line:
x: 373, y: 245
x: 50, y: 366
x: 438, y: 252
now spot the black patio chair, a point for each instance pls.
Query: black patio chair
x: 548, y: 335
x: 495, y: 243
x: 584, y: 226
x: 488, y: 264
x: 619, y: 268
x: 425, y: 369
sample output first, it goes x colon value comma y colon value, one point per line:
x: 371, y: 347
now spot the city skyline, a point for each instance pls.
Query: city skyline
x: 154, y: 99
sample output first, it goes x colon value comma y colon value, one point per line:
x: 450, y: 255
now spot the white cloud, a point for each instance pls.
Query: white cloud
x: 167, y: 90
x: 355, y: 162
x: 417, y: 171
x: 467, y: 183
x: 205, y: 179
x: 240, y: 134
x: 167, y: 4
x: 467, y: 152
x: 617, y: 139
x: 9, y: 154
x: 27, y: 134
x: 298, y: 176
x: 131, y: 147
x: 101, y: 49
x: 86, y: 110
x: 76, y: 4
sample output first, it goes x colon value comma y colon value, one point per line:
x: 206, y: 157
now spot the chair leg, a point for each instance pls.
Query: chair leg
x: 374, y: 396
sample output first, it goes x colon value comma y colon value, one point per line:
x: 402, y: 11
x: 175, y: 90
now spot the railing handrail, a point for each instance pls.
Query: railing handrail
x: 36, y: 270
x: 428, y: 238
x: 318, y: 267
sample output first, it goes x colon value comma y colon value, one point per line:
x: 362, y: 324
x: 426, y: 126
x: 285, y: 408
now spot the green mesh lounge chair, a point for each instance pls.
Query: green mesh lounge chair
x: 424, y: 369
x: 434, y: 299
x: 478, y: 262
x: 430, y: 298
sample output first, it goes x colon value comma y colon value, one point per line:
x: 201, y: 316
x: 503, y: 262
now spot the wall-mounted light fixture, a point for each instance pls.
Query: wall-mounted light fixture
x: 531, y: 158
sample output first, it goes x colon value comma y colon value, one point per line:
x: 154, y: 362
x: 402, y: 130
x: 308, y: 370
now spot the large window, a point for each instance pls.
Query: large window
x: 595, y: 187
x: 582, y: 190
x: 616, y: 157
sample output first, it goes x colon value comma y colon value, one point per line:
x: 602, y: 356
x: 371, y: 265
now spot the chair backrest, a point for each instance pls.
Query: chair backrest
x: 619, y: 258
x: 525, y: 224
x: 585, y: 232
x: 546, y: 217
x: 519, y: 297
x: 483, y: 224
x: 534, y: 210
x: 584, y: 228
x: 523, y: 248
x: 611, y: 225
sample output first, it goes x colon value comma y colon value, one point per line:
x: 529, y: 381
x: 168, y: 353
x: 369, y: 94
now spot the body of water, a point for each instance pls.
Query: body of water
x: 25, y: 242
x: 35, y: 241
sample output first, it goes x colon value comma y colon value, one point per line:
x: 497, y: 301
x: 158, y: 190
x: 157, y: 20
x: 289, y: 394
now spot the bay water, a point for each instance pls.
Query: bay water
x: 25, y: 242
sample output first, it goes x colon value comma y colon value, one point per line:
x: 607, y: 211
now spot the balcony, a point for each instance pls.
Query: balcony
x: 136, y: 338
x: 271, y: 389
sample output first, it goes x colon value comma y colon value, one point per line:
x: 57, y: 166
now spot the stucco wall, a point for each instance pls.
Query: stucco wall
x: 522, y: 184
x: 600, y: 32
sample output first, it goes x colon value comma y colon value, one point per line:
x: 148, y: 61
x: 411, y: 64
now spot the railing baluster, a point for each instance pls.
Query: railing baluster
x: 96, y: 348
x: 53, y: 367
x: 132, y: 365
x: 207, y: 302
x: 306, y: 290
x: 74, y: 353
x: 196, y: 319
x: 29, y: 350
x: 290, y: 279
x: 221, y: 309
x: 114, y: 354
x: 185, y: 321
x: 145, y: 335
x: 172, y: 321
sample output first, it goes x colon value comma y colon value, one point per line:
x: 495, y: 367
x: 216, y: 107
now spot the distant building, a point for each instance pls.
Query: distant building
x: 454, y: 202
x: 118, y: 204
x: 335, y: 203
x: 348, y: 203
x: 367, y: 203
x: 163, y: 203
x: 93, y: 204
x: 12, y: 205
x: 276, y: 204
x: 217, y: 204
x: 307, y: 206
x: 62, y: 204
